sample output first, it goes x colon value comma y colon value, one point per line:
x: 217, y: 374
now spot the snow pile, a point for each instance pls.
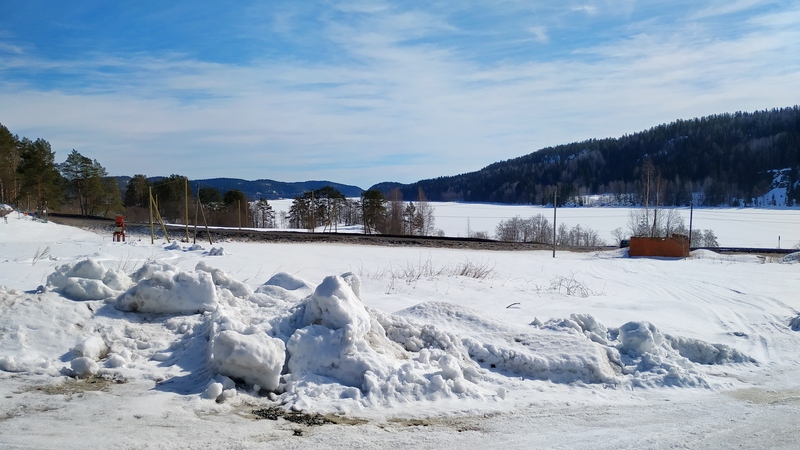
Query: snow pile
x: 648, y: 357
x: 320, y: 348
x: 537, y: 354
x: 223, y: 281
x: 88, y: 280
x: 792, y: 258
x: 165, y: 289
x: 333, y: 351
x: 794, y: 324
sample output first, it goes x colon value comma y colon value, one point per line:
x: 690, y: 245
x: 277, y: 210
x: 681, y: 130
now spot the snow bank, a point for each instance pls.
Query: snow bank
x: 536, y: 354
x: 648, y: 357
x: 792, y: 258
x: 165, y: 289
x: 319, y: 347
x: 88, y: 280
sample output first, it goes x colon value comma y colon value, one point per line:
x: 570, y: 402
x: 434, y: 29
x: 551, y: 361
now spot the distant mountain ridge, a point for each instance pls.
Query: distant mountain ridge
x: 256, y: 189
x: 725, y: 159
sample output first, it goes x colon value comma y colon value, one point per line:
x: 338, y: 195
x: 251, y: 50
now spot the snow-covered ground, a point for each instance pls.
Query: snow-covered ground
x: 132, y: 345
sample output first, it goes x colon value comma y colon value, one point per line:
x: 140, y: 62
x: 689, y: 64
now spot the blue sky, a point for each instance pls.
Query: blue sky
x: 370, y: 91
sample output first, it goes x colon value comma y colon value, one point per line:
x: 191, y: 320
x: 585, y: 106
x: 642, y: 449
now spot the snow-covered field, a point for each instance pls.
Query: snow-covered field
x: 734, y: 227
x: 133, y: 345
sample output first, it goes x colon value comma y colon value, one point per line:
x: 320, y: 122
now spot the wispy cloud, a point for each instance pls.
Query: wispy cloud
x: 396, y: 93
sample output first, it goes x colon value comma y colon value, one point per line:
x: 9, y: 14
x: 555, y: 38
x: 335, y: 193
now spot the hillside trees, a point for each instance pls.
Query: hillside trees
x: 170, y: 196
x: 87, y: 182
x: 373, y: 210
x: 39, y: 177
x: 137, y: 192
x: 263, y: 214
x: 726, y: 159
x: 9, y: 160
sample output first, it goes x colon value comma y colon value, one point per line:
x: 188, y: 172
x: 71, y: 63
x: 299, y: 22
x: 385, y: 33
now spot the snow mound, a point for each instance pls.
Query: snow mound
x: 794, y: 324
x: 173, y: 246
x: 88, y: 280
x: 165, y: 289
x: 216, y: 251
x: 288, y: 282
x: 648, y: 357
x: 224, y: 281
x: 792, y: 258
x: 532, y: 353
x: 282, y: 287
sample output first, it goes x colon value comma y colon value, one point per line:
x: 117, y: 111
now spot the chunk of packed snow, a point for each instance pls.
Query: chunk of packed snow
x: 221, y: 279
x: 93, y: 347
x: 216, y: 251
x: 88, y: 280
x: 255, y: 359
x: 334, y: 305
x: 84, y: 367
x: 170, y: 291
x: 213, y: 391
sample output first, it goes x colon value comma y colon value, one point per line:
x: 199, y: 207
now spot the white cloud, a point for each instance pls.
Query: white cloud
x: 540, y: 33
x: 721, y: 8
x: 289, y: 119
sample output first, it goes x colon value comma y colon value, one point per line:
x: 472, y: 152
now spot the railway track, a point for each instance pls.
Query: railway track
x: 103, y: 225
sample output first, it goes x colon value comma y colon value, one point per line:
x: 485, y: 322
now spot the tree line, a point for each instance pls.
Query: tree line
x: 327, y: 208
x: 719, y: 160
x: 31, y: 179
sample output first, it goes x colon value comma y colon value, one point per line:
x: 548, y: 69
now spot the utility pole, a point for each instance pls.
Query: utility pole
x: 313, y: 216
x: 152, y: 234
x: 186, y: 196
x: 196, y: 207
x: 691, y: 216
x: 555, y: 202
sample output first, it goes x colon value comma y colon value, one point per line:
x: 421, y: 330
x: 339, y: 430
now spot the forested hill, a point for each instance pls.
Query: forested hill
x: 725, y: 159
x: 253, y: 190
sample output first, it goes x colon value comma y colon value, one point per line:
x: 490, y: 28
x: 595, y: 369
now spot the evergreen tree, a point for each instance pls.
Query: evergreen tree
x: 9, y: 160
x: 85, y: 181
x: 373, y: 210
x: 41, y: 184
x: 137, y: 193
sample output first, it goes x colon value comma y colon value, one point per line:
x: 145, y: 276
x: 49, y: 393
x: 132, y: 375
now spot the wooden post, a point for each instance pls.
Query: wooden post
x: 691, y: 216
x: 555, y: 202
x: 208, y: 233
x: 196, y: 207
x: 152, y: 234
x: 160, y: 220
x: 186, y: 195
